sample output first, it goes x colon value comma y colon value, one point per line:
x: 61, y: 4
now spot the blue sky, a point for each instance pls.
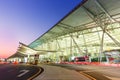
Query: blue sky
x: 26, y: 20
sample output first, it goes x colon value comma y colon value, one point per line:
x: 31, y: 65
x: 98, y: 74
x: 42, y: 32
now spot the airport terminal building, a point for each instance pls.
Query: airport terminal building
x: 91, y: 29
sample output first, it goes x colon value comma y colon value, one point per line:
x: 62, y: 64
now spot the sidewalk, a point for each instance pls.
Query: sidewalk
x: 58, y: 73
x: 113, y: 73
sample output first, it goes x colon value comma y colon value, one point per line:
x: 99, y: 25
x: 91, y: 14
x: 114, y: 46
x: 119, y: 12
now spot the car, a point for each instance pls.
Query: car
x: 79, y: 59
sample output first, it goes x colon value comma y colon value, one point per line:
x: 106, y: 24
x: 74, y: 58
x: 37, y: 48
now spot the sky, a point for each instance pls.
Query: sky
x: 26, y: 20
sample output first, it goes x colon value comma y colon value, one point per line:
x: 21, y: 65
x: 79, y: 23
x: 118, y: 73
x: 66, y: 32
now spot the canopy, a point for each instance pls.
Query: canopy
x: 17, y: 54
x: 82, y: 17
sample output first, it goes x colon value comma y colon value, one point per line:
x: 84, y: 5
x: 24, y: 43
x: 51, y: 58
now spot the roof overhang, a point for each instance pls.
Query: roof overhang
x: 82, y: 17
x: 24, y: 49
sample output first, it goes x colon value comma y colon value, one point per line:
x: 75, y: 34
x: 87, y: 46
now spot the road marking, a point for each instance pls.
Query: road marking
x: 23, y: 72
x: 90, y: 77
x: 35, y: 74
x: 112, y: 78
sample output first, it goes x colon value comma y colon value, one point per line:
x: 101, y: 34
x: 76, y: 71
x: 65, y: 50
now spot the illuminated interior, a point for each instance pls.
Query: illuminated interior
x: 90, y: 28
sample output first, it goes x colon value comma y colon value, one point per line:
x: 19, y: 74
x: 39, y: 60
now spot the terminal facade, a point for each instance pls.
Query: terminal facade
x: 91, y: 29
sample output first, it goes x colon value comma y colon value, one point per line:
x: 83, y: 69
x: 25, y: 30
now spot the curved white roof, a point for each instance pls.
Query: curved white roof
x: 82, y: 17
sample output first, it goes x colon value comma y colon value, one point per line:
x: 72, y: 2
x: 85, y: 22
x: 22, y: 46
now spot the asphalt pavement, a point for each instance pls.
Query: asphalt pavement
x: 19, y: 72
x: 58, y: 72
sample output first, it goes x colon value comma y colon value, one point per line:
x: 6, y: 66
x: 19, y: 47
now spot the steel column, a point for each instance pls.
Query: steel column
x: 76, y: 43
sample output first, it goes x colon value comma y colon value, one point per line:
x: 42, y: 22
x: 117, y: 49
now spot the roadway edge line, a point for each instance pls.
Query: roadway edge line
x: 35, y: 75
x: 90, y: 77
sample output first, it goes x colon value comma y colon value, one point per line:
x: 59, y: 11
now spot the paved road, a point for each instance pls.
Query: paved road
x: 19, y: 72
x: 95, y: 72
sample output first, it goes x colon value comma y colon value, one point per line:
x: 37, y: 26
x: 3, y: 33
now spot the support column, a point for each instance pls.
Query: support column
x: 57, y: 56
x: 59, y: 48
x: 71, y: 52
x: 76, y: 43
x: 100, y: 20
x: 85, y: 44
x: 28, y: 58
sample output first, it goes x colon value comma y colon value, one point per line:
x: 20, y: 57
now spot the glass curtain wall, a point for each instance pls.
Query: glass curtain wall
x: 83, y: 42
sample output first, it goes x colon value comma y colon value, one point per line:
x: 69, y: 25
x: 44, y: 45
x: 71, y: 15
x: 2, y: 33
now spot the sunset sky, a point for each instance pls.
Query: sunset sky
x: 25, y: 20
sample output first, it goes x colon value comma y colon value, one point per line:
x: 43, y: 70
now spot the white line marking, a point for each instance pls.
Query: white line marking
x: 23, y: 72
